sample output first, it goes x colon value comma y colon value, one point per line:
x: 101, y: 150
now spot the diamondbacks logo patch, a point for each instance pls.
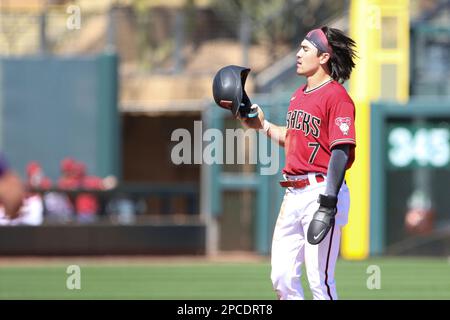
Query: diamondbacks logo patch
x: 343, y: 124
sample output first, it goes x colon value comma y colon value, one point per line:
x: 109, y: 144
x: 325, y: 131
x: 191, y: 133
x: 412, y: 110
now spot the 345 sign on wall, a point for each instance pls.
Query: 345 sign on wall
x: 411, y: 145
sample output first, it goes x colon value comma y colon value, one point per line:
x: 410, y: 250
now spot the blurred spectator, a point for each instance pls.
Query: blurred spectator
x: 59, y: 207
x: 11, y: 190
x: 122, y: 210
x: 36, y: 177
x: 69, y: 179
x: 74, y: 176
x: 87, y: 203
x: 32, y: 210
x: 31, y: 213
x: 420, y: 217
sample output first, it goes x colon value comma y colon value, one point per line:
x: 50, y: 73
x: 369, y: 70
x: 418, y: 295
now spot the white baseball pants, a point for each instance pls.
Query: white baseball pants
x: 290, y: 248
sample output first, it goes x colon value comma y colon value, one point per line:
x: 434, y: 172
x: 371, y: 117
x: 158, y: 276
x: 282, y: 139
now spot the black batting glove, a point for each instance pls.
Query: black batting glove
x: 323, y: 219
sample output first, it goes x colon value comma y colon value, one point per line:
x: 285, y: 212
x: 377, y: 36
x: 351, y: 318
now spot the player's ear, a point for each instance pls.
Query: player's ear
x: 324, y: 57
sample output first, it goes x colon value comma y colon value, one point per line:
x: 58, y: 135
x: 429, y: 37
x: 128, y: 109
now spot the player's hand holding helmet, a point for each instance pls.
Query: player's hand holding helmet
x: 229, y: 91
x: 254, y: 122
x: 323, y: 219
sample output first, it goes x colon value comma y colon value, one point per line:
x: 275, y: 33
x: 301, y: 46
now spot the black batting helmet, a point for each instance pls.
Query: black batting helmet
x: 228, y: 87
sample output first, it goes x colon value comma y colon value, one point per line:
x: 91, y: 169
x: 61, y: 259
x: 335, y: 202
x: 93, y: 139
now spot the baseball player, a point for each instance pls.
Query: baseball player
x: 319, y: 141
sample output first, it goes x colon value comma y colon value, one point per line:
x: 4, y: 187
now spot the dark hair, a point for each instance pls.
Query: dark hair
x: 341, y: 61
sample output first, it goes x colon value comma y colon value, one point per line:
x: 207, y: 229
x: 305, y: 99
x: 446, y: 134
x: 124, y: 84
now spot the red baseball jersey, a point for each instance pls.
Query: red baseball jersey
x: 318, y: 120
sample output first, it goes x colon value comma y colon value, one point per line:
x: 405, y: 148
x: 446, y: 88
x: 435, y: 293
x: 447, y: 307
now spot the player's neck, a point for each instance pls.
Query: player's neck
x: 316, y: 80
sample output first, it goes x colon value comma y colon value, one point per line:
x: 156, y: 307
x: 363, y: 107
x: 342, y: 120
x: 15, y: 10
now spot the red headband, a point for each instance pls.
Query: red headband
x: 319, y: 40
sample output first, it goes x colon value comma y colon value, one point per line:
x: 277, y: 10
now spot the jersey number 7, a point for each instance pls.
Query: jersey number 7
x: 316, y: 147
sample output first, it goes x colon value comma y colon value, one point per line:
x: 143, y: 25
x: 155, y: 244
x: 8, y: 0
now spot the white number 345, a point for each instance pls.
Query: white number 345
x: 425, y: 146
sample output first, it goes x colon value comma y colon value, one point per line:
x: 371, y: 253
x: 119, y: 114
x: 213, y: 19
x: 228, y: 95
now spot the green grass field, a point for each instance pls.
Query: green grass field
x: 404, y: 278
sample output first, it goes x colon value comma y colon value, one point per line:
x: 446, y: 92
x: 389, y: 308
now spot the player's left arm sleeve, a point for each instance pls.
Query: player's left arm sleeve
x: 336, y: 168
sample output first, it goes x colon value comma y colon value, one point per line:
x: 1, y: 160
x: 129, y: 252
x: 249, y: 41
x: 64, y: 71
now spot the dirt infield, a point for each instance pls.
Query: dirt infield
x: 223, y: 257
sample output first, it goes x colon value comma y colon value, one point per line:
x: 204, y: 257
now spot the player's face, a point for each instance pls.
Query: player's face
x: 307, y: 60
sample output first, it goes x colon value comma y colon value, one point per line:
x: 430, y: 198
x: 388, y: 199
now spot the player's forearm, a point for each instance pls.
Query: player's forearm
x: 336, y: 169
x: 276, y: 133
